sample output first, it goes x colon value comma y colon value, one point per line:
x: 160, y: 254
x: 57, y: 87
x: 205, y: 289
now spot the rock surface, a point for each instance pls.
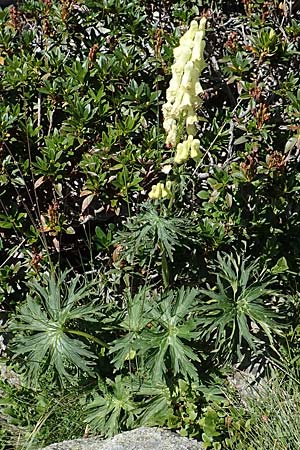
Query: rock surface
x: 139, y: 439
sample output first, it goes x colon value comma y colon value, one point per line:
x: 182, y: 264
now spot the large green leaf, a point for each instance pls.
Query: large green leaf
x: 42, y: 327
x: 239, y: 312
x: 168, y: 346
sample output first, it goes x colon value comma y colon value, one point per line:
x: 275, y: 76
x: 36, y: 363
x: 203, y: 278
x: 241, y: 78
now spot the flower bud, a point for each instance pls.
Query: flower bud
x: 160, y: 191
x: 195, y: 149
x: 164, y: 192
x: 183, y: 151
x: 182, y: 54
x: 186, y: 101
x: 179, y: 156
x: 155, y: 192
x: 172, y: 135
x: 198, y: 88
x: 202, y: 24
x: 187, y: 75
x: 190, y: 34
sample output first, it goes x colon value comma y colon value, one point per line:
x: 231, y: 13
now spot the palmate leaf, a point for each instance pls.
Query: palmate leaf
x: 152, y: 231
x: 137, y: 317
x: 238, y: 310
x: 170, y: 356
x: 42, y: 327
x: 157, y: 402
x: 167, y: 346
x: 113, y: 409
x: 158, y: 335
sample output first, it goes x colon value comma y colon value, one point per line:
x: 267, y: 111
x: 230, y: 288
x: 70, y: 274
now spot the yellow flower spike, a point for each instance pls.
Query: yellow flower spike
x: 183, y: 100
x: 183, y: 93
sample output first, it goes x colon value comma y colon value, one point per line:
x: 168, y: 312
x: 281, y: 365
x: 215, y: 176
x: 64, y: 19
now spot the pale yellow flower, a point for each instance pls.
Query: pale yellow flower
x: 195, y: 149
x: 161, y: 191
x: 155, y: 192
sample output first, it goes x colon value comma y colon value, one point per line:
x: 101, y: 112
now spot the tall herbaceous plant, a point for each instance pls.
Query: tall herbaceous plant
x: 183, y: 101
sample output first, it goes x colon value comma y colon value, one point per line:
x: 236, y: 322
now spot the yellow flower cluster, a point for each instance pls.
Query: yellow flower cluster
x: 161, y: 191
x: 183, y: 93
x: 190, y: 148
x: 183, y: 100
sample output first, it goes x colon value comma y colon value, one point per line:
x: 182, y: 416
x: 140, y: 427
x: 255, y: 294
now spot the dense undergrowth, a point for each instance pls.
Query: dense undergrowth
x: 119, y: 310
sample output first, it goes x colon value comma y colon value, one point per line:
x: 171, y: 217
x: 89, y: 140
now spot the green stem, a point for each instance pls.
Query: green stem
x: 165, y: 270
x: 87, y: 336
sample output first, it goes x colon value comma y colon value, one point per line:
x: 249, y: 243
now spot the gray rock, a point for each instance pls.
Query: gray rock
x: 250, y: 382
x: 143, y: 438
